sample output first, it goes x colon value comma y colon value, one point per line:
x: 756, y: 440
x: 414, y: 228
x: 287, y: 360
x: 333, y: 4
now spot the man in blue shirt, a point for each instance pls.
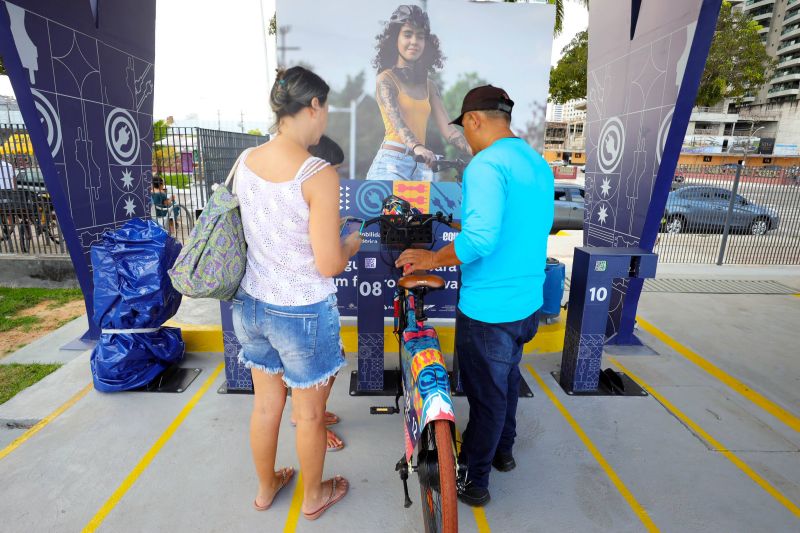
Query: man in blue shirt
x: 507, y: 213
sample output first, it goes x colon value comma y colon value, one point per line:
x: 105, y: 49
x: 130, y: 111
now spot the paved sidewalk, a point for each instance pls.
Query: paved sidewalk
x: 715, y: 447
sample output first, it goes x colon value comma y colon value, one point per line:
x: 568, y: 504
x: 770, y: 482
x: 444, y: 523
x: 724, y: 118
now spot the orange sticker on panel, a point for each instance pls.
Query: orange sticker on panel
x: 417, y: 193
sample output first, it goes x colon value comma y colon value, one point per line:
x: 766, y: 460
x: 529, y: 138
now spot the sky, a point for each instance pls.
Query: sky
x: 211, y: 60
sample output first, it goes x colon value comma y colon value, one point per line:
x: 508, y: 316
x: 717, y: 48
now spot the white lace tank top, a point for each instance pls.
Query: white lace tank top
x: 280, y: 262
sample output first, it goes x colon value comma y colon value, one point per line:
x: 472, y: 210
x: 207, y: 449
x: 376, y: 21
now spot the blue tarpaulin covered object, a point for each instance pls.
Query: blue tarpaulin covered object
x: 133, y: 297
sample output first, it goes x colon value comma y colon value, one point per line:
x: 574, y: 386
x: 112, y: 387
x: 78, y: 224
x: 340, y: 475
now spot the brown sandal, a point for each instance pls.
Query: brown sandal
x: 286, y: 475
x: 332, y: 499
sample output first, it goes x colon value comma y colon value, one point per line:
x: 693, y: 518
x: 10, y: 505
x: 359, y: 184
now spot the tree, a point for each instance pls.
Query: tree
x: 160, y: 130
x: 255, y: 131
x: 2, y: 67
x: 568, y: 77
x: 737, y: 63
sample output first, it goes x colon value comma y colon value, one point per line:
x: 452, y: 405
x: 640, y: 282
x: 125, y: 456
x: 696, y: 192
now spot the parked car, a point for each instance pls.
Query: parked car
x: 31, y: 179
x: 702, y: 208
x: 569, y: 206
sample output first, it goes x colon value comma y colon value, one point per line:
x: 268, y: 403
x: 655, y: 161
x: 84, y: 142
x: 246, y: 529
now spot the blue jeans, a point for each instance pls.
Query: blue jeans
x: 391, y: 165
x: 301, y: 342
x: 488, y: 359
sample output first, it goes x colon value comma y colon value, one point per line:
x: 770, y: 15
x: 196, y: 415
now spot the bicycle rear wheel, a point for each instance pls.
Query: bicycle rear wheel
x: 437, y: 478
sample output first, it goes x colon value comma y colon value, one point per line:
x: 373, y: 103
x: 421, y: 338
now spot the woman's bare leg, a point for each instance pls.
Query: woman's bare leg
x: 309, y: 409
x: 268, y: 403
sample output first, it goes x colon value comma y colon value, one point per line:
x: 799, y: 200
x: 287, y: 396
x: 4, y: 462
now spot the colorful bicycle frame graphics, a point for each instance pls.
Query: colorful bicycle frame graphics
x: 425, y: 380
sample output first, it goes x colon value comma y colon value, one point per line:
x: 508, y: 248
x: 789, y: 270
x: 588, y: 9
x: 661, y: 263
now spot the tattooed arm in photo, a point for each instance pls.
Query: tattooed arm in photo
x: 448, y: 131
x: 387, y: 95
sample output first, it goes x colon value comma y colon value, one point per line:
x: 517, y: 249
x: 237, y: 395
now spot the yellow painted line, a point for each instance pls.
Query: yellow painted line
x: 637, y: 508
x: 788, y: 418
x: 294, y: 507
x: 148, y: 457
x: 718, y: 446
x: 16, y: 443
x: 562, y: 233
x: 479, y: 513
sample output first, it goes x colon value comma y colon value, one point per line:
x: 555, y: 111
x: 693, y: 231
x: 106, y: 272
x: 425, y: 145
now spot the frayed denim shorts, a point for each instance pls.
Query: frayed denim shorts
x: 301, y: 342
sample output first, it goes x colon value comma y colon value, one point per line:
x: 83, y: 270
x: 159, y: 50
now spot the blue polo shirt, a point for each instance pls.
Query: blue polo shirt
x: 506, y: 216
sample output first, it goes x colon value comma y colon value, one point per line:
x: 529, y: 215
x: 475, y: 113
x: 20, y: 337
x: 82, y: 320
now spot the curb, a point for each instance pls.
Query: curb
x: 208, y: 338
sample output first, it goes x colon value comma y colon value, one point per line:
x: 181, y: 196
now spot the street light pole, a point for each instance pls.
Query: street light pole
x: 732, y: 200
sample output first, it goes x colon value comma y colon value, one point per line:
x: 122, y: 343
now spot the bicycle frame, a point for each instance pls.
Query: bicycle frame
x: 426, y: 385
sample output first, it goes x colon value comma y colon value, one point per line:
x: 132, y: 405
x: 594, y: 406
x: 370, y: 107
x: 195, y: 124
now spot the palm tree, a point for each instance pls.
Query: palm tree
x: 559, y: 12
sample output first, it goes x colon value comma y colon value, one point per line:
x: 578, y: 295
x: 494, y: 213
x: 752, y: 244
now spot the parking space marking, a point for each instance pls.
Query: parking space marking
x: 634, y: 504
x: 788, y: 418
x: 294, y: 507
x: 479, y: 513
x: 148, y: 457
x: 719, y: 447
x: 16, y: 443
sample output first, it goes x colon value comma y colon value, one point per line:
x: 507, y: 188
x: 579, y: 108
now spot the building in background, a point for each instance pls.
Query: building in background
x: 555, y: 112
x: 9, y: 111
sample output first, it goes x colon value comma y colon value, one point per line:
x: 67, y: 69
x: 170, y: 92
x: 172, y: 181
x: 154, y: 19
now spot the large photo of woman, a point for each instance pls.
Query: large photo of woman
x: 399, y: 71
x: 407, y: 53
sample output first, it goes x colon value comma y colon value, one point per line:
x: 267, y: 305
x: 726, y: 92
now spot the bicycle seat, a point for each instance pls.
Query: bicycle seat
x: 415, y: 281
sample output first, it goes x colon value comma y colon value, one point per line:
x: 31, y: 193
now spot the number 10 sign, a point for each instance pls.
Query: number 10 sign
x: 595, y: 273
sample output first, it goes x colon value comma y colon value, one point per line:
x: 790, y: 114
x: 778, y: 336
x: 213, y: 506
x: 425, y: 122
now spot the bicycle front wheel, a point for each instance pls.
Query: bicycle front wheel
x: 437, y: 478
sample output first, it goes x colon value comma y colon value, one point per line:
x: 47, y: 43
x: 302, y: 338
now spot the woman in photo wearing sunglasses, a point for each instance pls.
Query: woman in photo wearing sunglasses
x: 407, y: 53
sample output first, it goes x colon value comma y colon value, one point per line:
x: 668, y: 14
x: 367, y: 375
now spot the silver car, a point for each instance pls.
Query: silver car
x: 569, y: 205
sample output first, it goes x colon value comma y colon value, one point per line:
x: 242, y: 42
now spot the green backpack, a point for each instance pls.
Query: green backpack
x: 212, y: 262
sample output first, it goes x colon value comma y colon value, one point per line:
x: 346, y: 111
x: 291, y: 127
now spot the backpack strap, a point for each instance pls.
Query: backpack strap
x: 311, y: 167
x: 230, y: 181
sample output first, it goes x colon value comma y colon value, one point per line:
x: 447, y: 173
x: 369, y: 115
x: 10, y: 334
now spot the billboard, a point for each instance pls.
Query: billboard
x: 720, y: 144
x: 398, y: 74
x: 786, y: 149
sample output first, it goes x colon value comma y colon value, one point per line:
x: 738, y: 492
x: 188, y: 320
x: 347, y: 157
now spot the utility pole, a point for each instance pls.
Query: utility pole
x: 731, y: 202
x: 219, y: 124
x: 282, y: 48
x: 241, y: 120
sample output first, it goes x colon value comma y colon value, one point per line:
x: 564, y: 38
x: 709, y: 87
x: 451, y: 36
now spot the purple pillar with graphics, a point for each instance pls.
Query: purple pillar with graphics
x: 645, y: 63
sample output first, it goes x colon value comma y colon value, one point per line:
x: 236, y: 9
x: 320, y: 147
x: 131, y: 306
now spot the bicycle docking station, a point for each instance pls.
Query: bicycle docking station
x: 594, y: 270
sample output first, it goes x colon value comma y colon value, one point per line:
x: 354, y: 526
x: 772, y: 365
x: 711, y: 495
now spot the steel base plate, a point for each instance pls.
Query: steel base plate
x: 390, y: 385
x: 173, y: 379
x: 611, y: 384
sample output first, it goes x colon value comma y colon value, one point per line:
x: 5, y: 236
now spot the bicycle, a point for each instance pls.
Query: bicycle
x: 422, y: 375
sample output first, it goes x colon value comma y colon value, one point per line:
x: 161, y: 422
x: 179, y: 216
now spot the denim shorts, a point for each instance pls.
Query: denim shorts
x: 301, y: 342
x: 391, y: 165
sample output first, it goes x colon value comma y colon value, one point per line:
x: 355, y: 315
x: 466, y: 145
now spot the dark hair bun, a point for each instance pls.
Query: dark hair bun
x: 294, y: 89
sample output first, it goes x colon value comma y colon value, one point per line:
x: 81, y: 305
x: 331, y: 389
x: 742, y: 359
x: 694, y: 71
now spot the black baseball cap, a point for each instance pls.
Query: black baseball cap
x: 485, y: 98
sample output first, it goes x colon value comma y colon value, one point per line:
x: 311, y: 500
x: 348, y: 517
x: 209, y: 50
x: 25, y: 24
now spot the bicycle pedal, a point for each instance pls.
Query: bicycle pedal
x: 388, y: 410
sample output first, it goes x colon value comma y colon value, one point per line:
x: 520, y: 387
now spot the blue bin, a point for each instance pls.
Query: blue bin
x: 554, y: 275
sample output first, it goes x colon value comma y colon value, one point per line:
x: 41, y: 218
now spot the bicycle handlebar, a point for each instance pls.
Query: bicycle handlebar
x: 438, y: 217
x: 444, y: 164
